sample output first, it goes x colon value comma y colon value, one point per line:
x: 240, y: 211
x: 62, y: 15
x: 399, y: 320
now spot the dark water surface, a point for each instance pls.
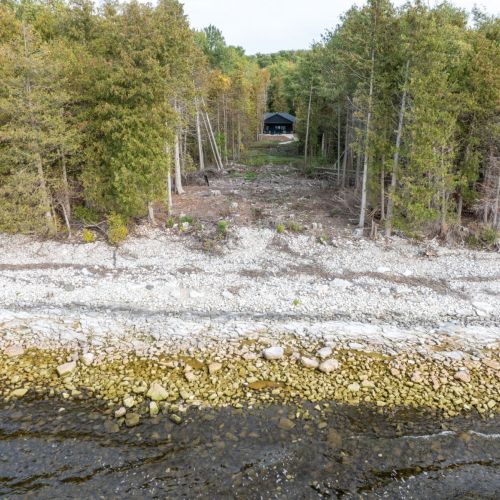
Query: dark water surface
x: 48, y: 452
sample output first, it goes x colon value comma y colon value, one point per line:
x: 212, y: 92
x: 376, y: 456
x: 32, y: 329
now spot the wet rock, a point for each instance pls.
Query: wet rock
x: 88, y: 358
x: 462, y: 376
x: 132, y: 419
x: 325, y: 352
x: 120, y: 412
x: 286, y: 424
x: 66, y: 368
x: 175, y: 419
x: 334, y: 439
x: 214, y: 368
x: 329, y: 366
x: 272, y: 353
x: 19, y: 393
x: 111, y: 427
x: 13, y: 351
x: 157, y: 392
x: 309, y: 362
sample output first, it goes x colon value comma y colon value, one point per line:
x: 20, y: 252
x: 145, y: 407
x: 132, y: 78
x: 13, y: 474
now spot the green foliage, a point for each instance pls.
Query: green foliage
x: 222, y: 227
x: 186, y: 218
x: 294, y: 227
x: 280, y: 228
x: 296, y: 302
x: 483, y: 237
x: 117, y: 229
x: 88, y: 236
x: 85, y: 215
x: 169, y: 224
x: 250, y: 176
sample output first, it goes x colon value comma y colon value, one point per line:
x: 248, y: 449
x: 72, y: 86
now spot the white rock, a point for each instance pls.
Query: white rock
x: 13, y: 351
x: 66, y: 368
x: 309, y: 362
x: 190, y: 376
x: 157, y: 392
x: 353, y: 387
x: 129, y: 402
x: 214, y: 367
x: 329, y: 366
x: 274, y: 352
x: 249, y: 356
x: 88, y: 358
x: 120, y: 412
x: 154, y: 409
x: 462, y: 376
x: 325, y: 352
x: 383, y: 269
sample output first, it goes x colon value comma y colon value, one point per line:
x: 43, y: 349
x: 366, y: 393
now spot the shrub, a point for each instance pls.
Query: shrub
x: 222, y: 226
x: 88, y: 236
x: 85, y: 215
x: 483, y: 237
x: 295, y: 227
x: 170, y: 223
x: 280, y: 228
x: 117, y: 229
x: 250, y: 176
x: 186, y: 218
x: 296, y: 302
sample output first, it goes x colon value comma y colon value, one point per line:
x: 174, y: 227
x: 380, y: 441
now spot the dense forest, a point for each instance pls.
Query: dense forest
x: 105, y: 109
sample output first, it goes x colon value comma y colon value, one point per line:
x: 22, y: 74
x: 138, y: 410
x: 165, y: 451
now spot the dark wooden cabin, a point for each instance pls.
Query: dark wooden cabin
x: 278, y: 123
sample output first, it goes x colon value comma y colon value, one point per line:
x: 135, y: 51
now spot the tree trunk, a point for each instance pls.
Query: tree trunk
x: 151, y: 213
x: 177, y: 159
x: 364, y: 186
x: 395, y: 165
x: 239, y: 137
x: 198, y: 136
x: 34, y: 146
x: 338, y: 144
x: 307, y: 126
x: 382, y: 191
x: 496, y: 204
x: 346, y: 148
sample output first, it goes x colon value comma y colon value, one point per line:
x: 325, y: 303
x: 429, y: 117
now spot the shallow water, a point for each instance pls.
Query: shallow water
x: 50, y: 452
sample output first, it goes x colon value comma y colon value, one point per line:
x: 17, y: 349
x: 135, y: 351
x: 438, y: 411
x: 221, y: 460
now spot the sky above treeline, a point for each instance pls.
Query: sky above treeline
x: 269, y: 26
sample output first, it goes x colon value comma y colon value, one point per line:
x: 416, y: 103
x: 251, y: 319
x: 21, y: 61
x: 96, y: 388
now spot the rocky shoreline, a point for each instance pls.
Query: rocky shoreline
x: 158, y: 327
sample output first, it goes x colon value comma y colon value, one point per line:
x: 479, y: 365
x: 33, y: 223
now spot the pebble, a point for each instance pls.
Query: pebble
x: 462, y: 376
x: 66, y: 368
x: 157, y: 392
x: 120, y: 412
x: 272, y: 353
x: 286, y: 424
x: 88, y: 358
x: 19, y: 393
x: 329, y: 366
x: 13, y: 351
x: 214, y: 368
x: 154, y: 409
x: 111, y: 427
x: 325, y: 352
x: 354, y: 387
x: 175, y: 419
x: 309, y: 362
x: 132, y: 419
x: 129, y: 402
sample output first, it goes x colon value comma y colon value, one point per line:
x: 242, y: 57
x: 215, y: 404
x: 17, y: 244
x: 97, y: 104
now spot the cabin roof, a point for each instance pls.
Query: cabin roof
x: 279, y: 117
